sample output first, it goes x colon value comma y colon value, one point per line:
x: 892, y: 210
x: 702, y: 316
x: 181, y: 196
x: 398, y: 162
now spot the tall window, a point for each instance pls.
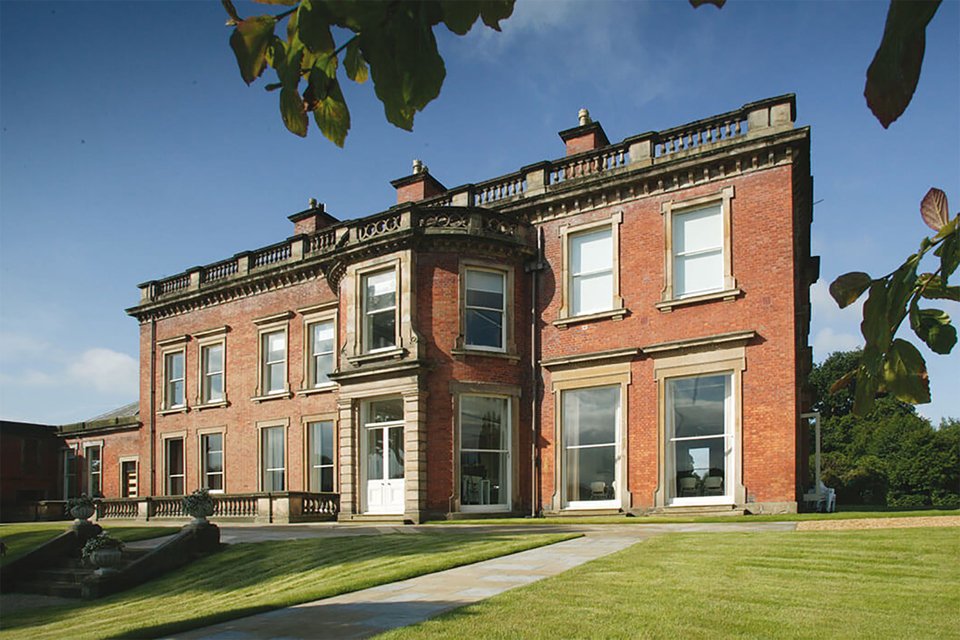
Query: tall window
x: 485, y: 309
x: 273, y: 352
x: 698, y: 251
x: 174, y: 466
x: 211, y: 450
x: 211, y: 359
x: 128, y: 479
x: 272, y: 464
x: 698, y: 414
x: 321, y: 352
x: 484, y: 453
x: 68, y: 467
x: 92, y: 455
x: 590, y: 423
x: 320, y: 456
x: 591, y: 272
x: 173, y: 380
x: 380, y: 310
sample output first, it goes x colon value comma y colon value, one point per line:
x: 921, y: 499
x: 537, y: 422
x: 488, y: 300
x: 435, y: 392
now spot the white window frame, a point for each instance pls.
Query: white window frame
x: 202, y: 438
x: 567, y: 314
x: 88, y: 473
x: 262, y: 470
x: 169, y: 403
x: 277, y: 323
x: 124, y: 487
x: 167, y: 348
x: 205, y: 341
x: 308, y: 439
x: 612, y: 503
x: 167, y: 476
x: 729, y: 442
x: 313, y: 316
x: 670, y: 209
x: 365, y: 316
x: 507, y: 426
x: 503, y: 310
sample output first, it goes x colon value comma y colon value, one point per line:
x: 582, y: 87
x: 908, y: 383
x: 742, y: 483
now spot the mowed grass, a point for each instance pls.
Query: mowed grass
x: 901, y: 583
x: 640, y: 520
x: 244, y: 579
x: 22, y: 537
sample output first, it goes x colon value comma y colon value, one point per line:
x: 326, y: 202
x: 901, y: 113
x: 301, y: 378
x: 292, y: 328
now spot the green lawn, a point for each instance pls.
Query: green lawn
x: 21, y: 537
x: 902, y: 583
x: 249, y: 578
x: 783, y: 517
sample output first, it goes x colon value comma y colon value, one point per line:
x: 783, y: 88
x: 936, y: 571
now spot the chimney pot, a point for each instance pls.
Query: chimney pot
x: 584, y: 116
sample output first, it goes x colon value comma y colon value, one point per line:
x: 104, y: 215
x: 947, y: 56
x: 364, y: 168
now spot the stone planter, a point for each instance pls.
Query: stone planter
x: 106, y: 560
x: 82, y: 511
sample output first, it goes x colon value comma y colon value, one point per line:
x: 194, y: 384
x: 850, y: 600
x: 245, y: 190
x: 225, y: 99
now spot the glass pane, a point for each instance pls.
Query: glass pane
x: 375, y: 454
x: 385, y: 410
x: 592, y: 293
x: 590, y: 416
x: 700, y: 467
x: 482, y: 423
x: 485, y: 289
x: 175, y: 393
x: 326, y: 479
x: 484, y: 328
x: 175, y: 366
x: 698, y: 230
x: 589, y: 473
x: 381, y: 289
x: 591, y: 252
x: 214, y: 359
x: 321, y: 443
x: 213, y: 449
x: 395, y: 442
x: 483, y: 478
x: 697, y: 273
x: 274, y: 381
x: 214, y: 389
x: 381, y: 330
x: 322, y: 337
x: 176, y: 486
x: 276, y: 346
x: 273, y: 481
x: 698, y: 405
x: 215, y: 482
x: 322, y: 365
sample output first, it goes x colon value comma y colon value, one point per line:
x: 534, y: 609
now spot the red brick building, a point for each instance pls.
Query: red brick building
x: 620, y: 330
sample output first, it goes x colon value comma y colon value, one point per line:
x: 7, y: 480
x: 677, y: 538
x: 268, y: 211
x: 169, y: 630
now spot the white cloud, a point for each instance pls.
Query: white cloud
x: 826, y: 341
x: 106, y: 370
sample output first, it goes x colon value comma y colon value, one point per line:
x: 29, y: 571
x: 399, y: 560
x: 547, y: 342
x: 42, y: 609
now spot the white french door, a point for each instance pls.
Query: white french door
x: 383, y: 457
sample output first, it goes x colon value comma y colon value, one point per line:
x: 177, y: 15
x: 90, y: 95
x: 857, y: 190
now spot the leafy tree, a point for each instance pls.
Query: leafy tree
x: 390, y: 41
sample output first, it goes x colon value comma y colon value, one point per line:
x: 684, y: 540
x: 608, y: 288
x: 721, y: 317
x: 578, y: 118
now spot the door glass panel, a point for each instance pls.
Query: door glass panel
x: 590, y: 473
x: 386, y: 411
x: 374, y: 454
x: 395, y: 438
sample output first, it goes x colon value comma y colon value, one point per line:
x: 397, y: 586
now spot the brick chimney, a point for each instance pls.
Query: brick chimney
x: 587, y: 136
x: 311, y: 219
x: 417, y: 186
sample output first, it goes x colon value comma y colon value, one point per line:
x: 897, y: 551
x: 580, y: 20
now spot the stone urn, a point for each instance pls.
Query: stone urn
x: 107, y: 559
x: 199, y: 506
x: 81, y: 508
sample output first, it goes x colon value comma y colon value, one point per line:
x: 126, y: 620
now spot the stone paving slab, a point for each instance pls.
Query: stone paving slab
x: 362, y: 614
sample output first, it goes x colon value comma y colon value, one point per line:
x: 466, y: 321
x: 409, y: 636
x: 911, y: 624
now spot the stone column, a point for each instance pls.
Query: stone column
x: 415, y: 455
x: 348, y: 460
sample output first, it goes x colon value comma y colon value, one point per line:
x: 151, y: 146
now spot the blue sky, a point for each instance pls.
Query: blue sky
x: 131, y: 149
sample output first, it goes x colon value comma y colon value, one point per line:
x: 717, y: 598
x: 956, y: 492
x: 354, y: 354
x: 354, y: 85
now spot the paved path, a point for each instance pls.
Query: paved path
x: 362, y: 614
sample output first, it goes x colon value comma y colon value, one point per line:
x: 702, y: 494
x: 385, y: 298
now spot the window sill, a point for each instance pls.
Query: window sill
x: 212, y: 405
x: 726, y: 295
x: 482, y: 353
x: 387, y: 354
x: 326, y: 388
x: 615, y: 314
x: 272, y: 396
x: 173, y: 410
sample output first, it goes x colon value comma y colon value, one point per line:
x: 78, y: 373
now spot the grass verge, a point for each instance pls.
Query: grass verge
x: 782, y: 517
x: 854, y: 584
x: 22, y: 537
x: 251, y: 578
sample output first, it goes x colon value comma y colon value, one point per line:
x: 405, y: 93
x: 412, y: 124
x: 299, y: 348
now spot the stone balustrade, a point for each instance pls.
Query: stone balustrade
x: 289, y: 506
x: 757, y: 119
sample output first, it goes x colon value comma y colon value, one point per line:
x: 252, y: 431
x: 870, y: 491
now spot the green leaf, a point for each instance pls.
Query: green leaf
x: 875, y: 329
x: 848, y: 287
x: 865, y: 393
x: 935, y: 289
x: 405, y: 66
x: 249, y: 42
x: 934, y: 328
x: 893, y: 74
x: 459, y: 15
x: 331, y: 114
x: 286, y: 3
x: 313, y: 27
x: 354, y: 64
x: 905, y: 373
x: 293, y: 113
x: 493, y: 11
x: 949, y: 254
x: 232, y: 12
x: 933, y: 209
x: 901, y: 287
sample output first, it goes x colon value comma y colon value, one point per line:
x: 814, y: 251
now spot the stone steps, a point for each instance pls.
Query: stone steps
x: 66, y: 580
